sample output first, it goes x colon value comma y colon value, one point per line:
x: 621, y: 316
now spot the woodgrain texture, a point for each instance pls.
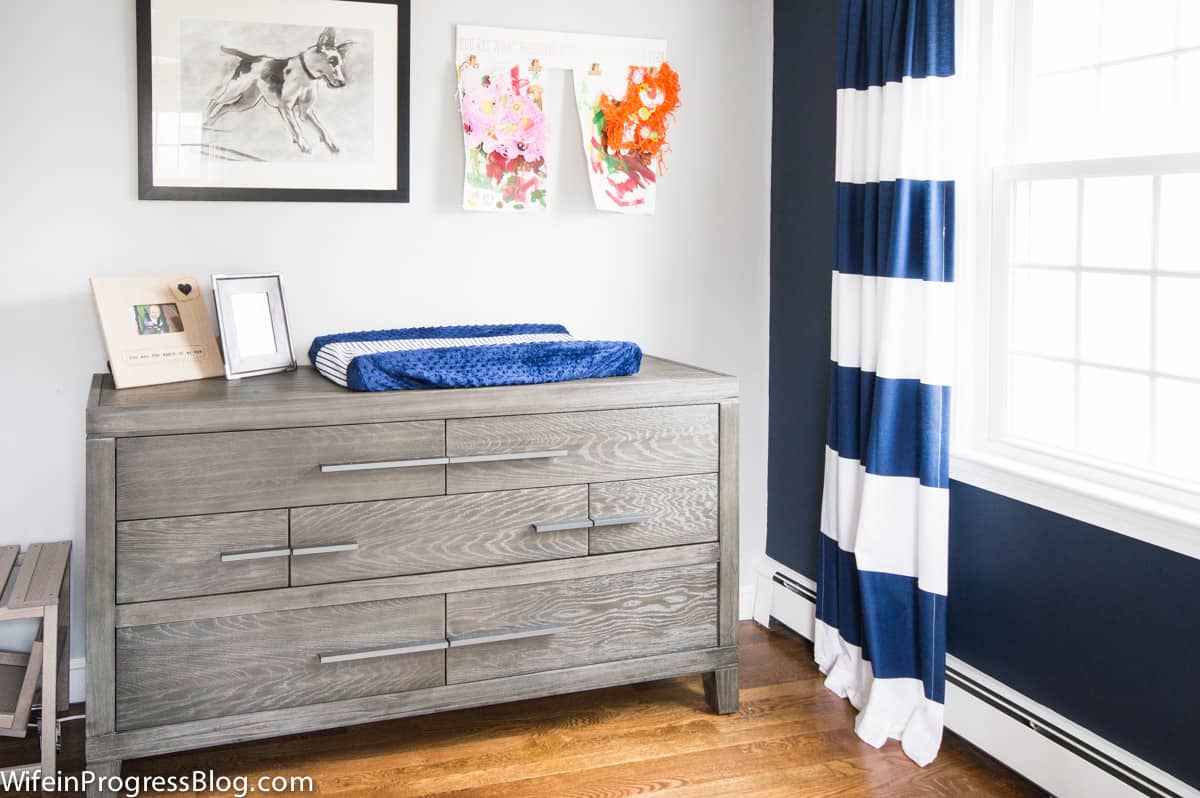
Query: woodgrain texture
x: 222, y: 472
x: 682, y: 510
x: 607, y: 618
x: 721, y: 690
x: 304, y: 398
x: 175, y: 557
x: 8, y: 558
x: 414, y: 585
x: 730, y: 580
x: 276, y: 722
x: 101, y: 579
x: 40, y: 576
x: 173, y: 673
x: 441, y: 533
x: 602, y: 446
x: 791, y: 738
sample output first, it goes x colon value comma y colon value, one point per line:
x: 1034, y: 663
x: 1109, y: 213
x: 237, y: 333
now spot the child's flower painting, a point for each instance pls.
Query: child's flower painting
x: 624, y: 116
x: 504, y: 133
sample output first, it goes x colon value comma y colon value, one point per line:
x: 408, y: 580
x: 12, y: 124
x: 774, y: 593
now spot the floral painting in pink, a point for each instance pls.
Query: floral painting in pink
x: 504, y: 135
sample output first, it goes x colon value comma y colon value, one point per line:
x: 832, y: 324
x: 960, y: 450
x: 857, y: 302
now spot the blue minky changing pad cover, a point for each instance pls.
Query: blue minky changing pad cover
x: 467, y: 356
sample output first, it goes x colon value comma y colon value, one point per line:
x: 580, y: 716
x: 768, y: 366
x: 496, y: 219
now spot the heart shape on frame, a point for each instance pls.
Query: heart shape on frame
x: 184, y: 289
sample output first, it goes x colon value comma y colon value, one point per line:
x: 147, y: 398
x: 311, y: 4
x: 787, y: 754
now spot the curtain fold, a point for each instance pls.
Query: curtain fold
x: 881, y: 599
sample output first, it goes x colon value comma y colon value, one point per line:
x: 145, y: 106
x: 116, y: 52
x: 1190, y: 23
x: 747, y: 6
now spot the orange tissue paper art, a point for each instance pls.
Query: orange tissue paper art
x: 625, y: 117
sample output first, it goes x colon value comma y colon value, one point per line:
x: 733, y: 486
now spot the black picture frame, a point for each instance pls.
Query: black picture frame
x: 145, y: 99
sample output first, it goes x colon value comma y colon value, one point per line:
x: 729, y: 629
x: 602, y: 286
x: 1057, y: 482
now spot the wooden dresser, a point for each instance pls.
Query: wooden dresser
x: 280, y: 555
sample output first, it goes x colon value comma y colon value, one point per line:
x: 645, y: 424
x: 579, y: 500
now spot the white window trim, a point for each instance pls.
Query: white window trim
x: 1150, y: 510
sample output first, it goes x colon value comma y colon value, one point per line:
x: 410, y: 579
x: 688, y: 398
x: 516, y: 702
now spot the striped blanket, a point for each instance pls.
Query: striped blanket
x: 467, y: 357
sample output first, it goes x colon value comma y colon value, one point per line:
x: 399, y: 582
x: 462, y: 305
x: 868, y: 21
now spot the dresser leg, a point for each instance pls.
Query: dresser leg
x: 721, y: 690
x: 103, y: 771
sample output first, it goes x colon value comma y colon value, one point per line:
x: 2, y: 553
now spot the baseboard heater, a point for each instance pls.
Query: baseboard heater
x: 1035, y: 722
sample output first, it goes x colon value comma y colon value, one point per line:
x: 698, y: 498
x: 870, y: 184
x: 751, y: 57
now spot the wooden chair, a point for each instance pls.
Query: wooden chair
x: 40, y: 584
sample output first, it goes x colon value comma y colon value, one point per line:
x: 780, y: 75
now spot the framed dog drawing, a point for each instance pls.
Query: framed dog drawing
x: 276, y: 100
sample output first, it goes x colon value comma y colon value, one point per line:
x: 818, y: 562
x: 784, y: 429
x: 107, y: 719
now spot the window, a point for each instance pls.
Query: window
x: 1089, y: 243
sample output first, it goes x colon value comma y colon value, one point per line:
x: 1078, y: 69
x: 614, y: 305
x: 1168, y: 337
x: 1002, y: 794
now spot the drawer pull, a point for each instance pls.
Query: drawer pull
x: 383, y: 464
x: 256, y: 554
x: 562, y: 526
x: 618, y: 520
x: 331, y: 548
x: 496, y: 458
x: 481, y: 638
x: 383, y: 651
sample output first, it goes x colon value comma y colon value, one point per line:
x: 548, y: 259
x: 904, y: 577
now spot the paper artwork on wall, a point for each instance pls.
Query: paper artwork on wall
x: 504, y: 136
x: 624, y: 117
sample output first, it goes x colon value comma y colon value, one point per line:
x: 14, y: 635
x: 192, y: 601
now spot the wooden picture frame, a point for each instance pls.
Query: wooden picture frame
x: 156, y: 330
x: 253, y: 323
x: 213, y: 123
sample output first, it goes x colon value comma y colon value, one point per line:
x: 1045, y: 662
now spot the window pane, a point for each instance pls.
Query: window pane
x: 1044, y: 221
x: 1177, y: 433
x: 1189, y: 24
x: 1187, y: 110
x: 1066, y: 33
x: 1115, y: 322
x: 1116, y: 222
x: 1179, y: 217
x: 1178, y: 328
x: 1114, y: 415
x: 1063, y: 117
x: 1043, y: 312
x: 1137, y: 107
x: 1041, y: 401
x: 1135, y: 27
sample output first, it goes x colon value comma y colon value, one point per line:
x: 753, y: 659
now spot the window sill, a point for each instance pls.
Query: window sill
x: 1123, y: 512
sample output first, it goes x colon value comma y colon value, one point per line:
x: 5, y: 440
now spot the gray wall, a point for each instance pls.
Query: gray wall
x: 688, y: 283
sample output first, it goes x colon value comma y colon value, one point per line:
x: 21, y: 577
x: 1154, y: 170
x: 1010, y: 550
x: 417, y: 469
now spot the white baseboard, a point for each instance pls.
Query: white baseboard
x: 746, y: 602
x: 77, y: 680
x: 1029, y: 748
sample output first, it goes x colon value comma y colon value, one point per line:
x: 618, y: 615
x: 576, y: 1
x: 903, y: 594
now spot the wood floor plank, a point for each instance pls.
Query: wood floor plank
x: 791, y: 737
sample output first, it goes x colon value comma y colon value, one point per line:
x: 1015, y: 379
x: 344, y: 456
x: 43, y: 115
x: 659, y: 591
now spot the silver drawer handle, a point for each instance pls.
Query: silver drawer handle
x: 562, y: 526
x: 618, y: 520
x: 496, y: 458
x: 383, y: 651
x: 481, y: 638
x: 384, y: 464
x: 330, y: 548
x: 256, y: 554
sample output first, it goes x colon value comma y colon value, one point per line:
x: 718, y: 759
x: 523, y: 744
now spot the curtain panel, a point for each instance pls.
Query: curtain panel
x: 882, y: 583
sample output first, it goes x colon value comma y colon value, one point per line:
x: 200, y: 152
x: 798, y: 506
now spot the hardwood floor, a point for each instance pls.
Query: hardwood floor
x: 792, y: 737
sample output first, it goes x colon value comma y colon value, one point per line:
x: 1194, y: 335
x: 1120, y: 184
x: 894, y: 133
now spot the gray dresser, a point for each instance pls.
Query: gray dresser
x: 280, y: 555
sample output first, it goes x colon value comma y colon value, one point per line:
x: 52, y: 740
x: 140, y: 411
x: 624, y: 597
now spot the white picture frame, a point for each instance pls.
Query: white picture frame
x: 253, y: 324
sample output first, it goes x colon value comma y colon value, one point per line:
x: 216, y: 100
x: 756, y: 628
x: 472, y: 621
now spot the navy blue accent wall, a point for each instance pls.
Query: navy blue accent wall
x: 803, y: 199
x: 1099, y: 627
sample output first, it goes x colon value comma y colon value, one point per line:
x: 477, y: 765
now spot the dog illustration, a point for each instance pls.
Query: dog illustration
x: 289, y: 85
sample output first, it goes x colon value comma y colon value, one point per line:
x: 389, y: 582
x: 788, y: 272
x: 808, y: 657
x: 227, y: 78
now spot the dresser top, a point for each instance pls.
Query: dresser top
x: 305, y: 398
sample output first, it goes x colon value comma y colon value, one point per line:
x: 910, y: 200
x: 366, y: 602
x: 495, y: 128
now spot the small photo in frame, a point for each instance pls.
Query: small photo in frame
x: 253, y: 322
x: 156, y: 330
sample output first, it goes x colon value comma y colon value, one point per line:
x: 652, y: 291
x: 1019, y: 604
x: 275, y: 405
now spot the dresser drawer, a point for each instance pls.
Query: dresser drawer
x: 652, y: 513
x: 565, y: 448
x: 441, y: 533
x: 189, y: 670
x: 529, y: 628
x: 220, y: 472
x: 200, y: 555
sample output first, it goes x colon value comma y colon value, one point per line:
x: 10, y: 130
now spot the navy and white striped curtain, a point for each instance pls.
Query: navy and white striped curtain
x: 881, y: 598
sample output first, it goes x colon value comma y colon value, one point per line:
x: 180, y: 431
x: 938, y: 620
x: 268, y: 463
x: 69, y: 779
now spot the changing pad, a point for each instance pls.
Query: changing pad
x: 468, y: 356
